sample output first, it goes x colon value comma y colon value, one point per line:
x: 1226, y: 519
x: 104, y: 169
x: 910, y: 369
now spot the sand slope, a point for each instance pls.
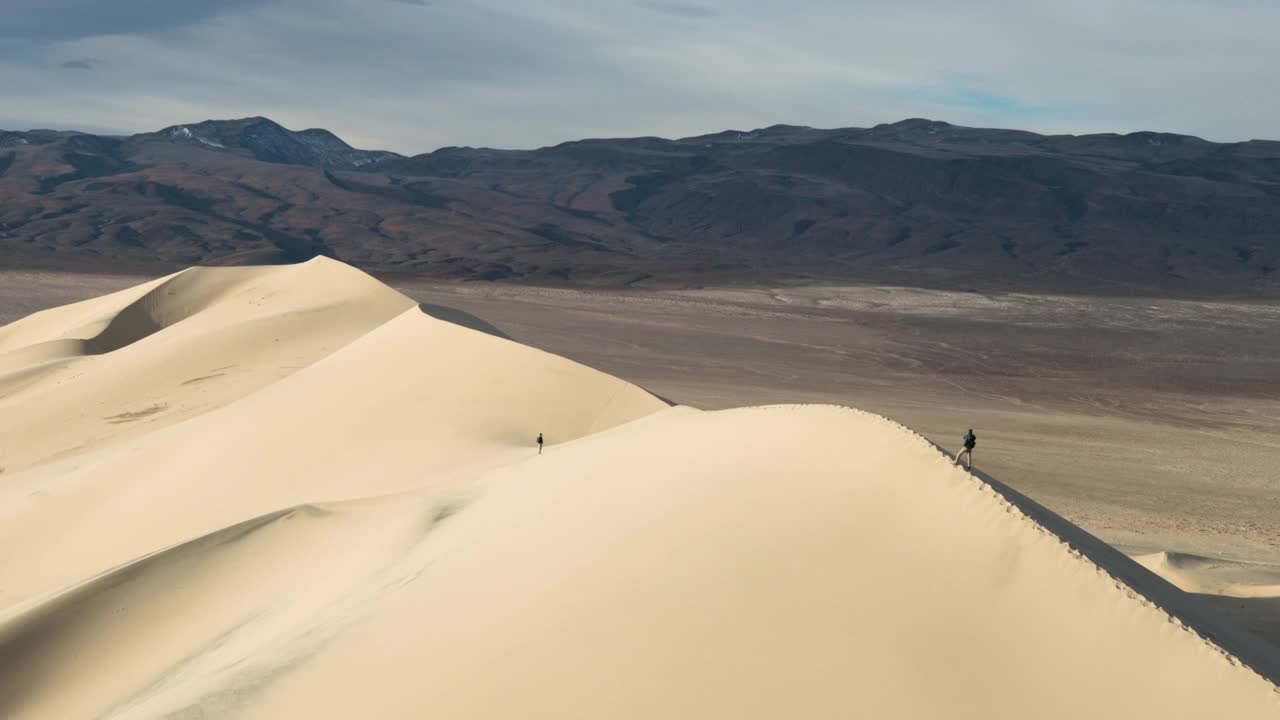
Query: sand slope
x: 289, y: 492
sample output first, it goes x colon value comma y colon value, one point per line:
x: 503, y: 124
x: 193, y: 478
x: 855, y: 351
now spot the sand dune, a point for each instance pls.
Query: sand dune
x: 291, y: 492
x: 1217, y: 576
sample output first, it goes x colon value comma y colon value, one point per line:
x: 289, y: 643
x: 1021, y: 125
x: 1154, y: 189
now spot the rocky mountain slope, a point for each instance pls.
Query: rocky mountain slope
x: 916, y: 202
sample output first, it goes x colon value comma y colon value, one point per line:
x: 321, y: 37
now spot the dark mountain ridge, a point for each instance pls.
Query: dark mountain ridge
x: 913, y: 202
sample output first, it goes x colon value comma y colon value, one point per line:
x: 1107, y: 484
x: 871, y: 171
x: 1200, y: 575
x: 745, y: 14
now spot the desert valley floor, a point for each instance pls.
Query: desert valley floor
x: 1153, y: 424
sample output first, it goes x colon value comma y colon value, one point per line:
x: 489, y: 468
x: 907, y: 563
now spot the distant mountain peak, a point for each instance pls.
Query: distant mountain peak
x: 925, y: 123
x: 1156, y: 139
x: 270, y: 141
x: 228, y: 124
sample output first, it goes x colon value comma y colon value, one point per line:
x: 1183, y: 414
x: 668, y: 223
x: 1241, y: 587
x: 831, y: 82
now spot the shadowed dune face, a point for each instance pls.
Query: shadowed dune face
x: 1259, y: 615
x: 169, y: 303
x: 365, y: 528
x: 459, y: 317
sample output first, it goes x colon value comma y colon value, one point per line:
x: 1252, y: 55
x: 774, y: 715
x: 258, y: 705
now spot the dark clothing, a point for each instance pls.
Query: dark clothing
x: 970, y: 440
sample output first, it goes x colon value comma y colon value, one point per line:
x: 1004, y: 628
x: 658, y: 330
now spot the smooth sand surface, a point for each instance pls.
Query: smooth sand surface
x: 292, y: 492
x: 1150, y: 422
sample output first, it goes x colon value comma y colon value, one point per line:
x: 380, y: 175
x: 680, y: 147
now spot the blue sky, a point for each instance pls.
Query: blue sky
x: 414, y: 75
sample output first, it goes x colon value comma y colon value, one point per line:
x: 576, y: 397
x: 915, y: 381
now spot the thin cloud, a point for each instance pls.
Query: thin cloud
x: 82, y: 64
x: 47, y: 21
x: 679, y: 9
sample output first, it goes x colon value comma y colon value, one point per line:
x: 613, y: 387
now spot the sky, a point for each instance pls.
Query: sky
x: 415, y: 75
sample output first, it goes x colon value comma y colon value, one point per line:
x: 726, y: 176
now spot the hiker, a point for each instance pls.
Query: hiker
x: 970, y: 440
x: 539, y: 443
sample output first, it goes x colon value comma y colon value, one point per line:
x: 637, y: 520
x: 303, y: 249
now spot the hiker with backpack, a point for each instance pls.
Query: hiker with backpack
x: 970, y: 440
x: 539, y: 443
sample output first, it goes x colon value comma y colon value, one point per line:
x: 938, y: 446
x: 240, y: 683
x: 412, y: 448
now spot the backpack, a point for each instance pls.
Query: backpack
x: 970, y: 440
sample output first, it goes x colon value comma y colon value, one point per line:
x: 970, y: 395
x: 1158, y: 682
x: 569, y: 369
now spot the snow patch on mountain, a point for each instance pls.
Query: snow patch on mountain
x: 183, y: 132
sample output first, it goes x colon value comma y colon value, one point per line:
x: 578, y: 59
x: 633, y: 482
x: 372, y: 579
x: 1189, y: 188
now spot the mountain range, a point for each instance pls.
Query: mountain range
x: 917, y: 202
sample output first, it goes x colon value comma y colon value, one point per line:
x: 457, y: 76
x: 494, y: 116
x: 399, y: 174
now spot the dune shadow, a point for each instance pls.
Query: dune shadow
x: 465, y: 319
x: 668, y: 401
x: 1258, y: 615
